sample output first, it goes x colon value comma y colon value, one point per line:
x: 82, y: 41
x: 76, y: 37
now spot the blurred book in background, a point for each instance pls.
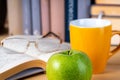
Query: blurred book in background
x: 107, y: 2
x: 70, y: 14
x: 57, y: 20
x: 45, y: 16
x: 14, y: 16
x: 84, y: 8
x: 26, y: 17
x: 75, y: 9
x: 109, y: 10
x: 36, y: 17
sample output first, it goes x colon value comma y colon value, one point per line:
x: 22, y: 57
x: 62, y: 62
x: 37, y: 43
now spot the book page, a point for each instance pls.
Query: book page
x: 45, y: 56
x: 34, y: 52
x: 10, y: 59
x: 63, y: 46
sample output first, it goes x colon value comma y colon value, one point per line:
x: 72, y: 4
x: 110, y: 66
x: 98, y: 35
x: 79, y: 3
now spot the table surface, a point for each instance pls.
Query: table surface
x: 112, y: 71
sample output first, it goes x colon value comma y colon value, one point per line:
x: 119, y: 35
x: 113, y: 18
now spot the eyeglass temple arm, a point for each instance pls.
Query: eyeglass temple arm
x: 2, y: 42
x: 51, y: 33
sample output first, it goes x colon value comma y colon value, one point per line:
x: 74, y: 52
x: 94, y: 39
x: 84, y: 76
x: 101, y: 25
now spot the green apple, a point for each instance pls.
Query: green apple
x: 69, y: 65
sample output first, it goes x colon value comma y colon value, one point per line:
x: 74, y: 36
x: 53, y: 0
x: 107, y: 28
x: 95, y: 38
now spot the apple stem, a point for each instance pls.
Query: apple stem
x: 69, y: 52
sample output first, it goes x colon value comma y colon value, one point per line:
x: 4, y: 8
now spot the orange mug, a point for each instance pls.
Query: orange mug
x: 93, y: 36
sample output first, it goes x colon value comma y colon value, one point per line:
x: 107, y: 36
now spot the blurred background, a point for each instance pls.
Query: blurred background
x: 38, y: 17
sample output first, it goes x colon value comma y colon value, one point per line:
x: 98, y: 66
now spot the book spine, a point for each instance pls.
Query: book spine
x: 117, y: 2
x: 109, y: 10
x: 70, y: 14
x: 36, y: 17
x: 45, y: 16
x: 14, y: 8
x: 27, y: 19
x: 57, y: 17
x: 83, y: 8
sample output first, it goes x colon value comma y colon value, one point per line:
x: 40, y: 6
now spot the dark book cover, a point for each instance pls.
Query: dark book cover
x: 70, y: 14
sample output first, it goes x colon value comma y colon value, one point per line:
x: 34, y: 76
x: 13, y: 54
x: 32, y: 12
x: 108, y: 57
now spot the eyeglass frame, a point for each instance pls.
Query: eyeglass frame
x: 35, y: 42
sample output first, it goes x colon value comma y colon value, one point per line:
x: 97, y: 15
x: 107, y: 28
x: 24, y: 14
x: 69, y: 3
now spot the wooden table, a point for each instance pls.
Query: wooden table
x: 112, y: 71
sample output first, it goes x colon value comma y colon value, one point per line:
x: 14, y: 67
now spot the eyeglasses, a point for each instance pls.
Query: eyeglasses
x: 47, y: 43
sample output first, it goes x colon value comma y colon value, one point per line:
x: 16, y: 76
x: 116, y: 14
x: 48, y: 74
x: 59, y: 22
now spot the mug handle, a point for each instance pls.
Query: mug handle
x: 114, y: 32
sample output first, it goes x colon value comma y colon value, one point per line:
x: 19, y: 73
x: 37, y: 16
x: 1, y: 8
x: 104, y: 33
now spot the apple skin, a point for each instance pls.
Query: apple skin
x: 69, y: 65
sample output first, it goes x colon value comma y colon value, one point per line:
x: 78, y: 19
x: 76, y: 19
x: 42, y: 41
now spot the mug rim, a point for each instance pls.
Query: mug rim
x: 76, y: 23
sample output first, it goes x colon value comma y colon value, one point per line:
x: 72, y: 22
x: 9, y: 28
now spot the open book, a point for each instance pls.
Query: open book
x: 13, y: 62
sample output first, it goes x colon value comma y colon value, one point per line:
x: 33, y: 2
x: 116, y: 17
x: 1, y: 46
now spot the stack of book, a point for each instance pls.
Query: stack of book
x: 111, y: 10
x: 24, y: 17
x: 36, y: 17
